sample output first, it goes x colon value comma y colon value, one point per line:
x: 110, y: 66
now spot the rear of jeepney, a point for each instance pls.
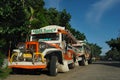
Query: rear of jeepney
x: 79, y: 49
x: 83, y: 51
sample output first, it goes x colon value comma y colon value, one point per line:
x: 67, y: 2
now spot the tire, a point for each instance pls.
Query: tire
x: 53, y: 66
x: 82, y: 62
x: 71, y: 65
x: 90, y: 61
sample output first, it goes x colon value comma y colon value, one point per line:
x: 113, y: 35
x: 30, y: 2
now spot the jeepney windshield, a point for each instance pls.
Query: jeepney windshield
x: 80, y: 48
x: 45, y: 37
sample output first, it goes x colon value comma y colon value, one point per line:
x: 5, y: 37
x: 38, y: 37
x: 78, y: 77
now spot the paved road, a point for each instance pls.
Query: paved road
x: 95, y: 71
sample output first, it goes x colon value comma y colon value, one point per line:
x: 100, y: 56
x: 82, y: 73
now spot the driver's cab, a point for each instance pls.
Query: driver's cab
x: 53, y: 34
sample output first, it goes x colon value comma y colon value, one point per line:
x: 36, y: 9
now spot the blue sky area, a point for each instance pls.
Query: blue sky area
x: 99, y: 20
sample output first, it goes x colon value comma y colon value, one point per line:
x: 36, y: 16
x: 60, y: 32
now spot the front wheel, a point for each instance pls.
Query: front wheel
x: 53, y: 66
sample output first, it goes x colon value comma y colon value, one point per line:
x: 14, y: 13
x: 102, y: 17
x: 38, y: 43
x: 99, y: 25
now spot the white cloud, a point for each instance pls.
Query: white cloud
x: 98, y: 9
x: 53, y: 3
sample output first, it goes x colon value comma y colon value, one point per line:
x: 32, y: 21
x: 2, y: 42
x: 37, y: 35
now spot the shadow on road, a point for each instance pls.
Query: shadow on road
x: 29, y: 72
x: 113, y: 64
x: 109, y: 63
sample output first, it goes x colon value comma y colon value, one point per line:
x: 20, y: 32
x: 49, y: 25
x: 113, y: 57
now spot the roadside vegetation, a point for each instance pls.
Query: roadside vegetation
x: 114, y: 52
x: 4, y: 71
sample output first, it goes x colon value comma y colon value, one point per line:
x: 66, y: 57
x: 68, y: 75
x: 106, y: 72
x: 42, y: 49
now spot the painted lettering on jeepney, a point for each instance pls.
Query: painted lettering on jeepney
x: 38, y: 31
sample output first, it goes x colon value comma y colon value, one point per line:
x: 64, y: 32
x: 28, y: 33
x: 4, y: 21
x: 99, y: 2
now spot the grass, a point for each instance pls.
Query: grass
x: 4, y: 73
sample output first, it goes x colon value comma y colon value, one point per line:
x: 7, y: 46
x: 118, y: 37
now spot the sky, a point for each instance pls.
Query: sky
x: 99, y: 20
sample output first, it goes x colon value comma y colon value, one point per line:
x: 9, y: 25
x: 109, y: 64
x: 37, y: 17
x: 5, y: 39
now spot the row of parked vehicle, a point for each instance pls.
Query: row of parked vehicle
x: 53, y: 48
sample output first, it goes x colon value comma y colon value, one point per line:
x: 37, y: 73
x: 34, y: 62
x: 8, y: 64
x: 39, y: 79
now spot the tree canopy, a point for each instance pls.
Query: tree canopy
x: 114, y: 52
x: 95, y: 50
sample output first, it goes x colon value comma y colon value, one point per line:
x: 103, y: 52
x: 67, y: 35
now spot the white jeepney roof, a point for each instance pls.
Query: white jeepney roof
x: 47, y: 29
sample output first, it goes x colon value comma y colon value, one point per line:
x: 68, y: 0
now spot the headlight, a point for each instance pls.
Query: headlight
x: 21, y: 46
x: 42, y: 46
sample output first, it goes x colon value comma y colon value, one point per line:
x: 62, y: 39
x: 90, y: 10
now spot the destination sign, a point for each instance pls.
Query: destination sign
x: 44, y: 30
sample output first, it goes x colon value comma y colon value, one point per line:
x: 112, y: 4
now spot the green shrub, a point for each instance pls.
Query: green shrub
x: 4, y: 73
x: 1, y: 59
